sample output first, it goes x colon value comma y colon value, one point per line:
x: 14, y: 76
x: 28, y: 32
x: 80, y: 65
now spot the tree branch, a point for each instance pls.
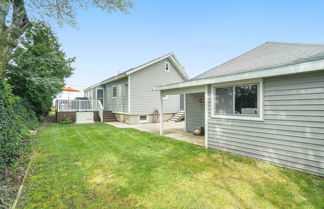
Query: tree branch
x: 4, y: 10
x: 20, y: 23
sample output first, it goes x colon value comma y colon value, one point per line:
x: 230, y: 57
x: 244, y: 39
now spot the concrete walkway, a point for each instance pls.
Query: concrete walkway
x: 170, y: 129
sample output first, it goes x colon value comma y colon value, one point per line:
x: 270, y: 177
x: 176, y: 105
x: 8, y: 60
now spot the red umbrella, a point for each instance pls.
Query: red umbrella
x: 69, y: 89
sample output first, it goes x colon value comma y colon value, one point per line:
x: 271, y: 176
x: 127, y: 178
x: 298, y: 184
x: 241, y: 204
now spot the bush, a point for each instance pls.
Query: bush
x: 16, y: 120
x: 65, y: 120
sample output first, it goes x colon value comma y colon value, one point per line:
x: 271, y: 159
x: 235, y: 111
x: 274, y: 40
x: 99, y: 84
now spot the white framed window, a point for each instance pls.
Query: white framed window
x: 142, y: 118
x: 114, y: 91
x: 165, y: 97
x: 238, y: 101
x: 167, y: 66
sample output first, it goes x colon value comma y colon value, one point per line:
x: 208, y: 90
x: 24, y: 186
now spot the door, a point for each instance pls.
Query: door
x: 181, y: 101
x: 100, y: 96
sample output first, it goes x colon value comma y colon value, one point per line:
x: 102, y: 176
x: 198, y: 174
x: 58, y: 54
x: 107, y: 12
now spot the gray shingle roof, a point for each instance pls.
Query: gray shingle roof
x: 267, y: 55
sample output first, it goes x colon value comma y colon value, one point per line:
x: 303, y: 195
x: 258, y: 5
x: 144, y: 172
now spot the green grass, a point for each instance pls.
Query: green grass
x: 99, y: 166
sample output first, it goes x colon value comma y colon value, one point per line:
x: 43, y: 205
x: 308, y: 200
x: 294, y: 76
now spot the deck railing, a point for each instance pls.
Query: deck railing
x: 66, y: 105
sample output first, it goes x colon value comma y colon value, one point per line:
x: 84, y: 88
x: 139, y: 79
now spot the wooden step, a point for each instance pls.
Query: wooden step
x: 109, y: 116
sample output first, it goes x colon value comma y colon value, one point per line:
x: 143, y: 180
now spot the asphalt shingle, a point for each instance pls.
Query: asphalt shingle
x: 267, y: 55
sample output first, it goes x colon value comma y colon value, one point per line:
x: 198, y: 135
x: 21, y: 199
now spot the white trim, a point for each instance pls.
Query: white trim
x: 129, y: 98
x: 259, y: 117
x: 206, y: 116
x: 112, y: 93
x: 166, y: 63
x: 285, y: 70
x: 143, y: 121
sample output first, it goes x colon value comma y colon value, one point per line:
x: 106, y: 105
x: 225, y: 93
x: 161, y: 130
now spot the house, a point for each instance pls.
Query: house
x: 267, y: 103
x: 129, y: 96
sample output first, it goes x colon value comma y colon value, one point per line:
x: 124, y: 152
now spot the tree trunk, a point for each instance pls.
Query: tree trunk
x: 9, y: 35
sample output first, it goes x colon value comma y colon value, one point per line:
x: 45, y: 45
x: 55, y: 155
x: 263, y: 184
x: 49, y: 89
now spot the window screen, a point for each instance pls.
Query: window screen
x: 224, y: 101
x: 246, y: 99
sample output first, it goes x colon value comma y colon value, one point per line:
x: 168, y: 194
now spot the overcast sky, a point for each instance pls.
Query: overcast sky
x: 202, y: 34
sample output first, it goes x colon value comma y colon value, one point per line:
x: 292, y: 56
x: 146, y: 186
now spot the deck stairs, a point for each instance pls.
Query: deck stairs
x: 179, y: 116
x: 109, y: 116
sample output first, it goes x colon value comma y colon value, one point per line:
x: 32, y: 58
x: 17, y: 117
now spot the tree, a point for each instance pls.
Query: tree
x: 63, y: 11
x: 38, y: 68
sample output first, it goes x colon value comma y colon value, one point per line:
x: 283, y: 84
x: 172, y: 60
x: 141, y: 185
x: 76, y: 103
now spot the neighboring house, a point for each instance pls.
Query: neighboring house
x: 267, y: 103
x: 129, y: 96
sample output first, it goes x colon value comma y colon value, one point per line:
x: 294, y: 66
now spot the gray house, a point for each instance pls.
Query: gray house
x: 129, y: 96
x: 267, y: 103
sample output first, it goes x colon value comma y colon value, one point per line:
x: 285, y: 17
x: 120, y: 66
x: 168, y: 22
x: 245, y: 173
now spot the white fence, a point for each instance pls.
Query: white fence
x: 67, y: 105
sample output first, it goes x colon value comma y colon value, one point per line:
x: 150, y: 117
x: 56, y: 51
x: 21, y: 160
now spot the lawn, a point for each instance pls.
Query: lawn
x: 99, y: 166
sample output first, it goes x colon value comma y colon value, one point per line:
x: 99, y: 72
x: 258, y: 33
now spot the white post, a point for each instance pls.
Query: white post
x: 206, y: 116
x: 161, y: 113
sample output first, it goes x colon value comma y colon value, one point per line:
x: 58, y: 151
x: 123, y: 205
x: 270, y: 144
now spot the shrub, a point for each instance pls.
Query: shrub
x: 16, y: 119
x: 65, y: 120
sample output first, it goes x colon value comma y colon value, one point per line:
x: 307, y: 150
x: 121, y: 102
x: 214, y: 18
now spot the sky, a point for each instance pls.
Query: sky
x: 202, y: 34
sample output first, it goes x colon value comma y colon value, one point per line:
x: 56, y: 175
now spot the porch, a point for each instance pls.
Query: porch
x: 171, y: 129
x: 79, y: 111
x: 195, y: 114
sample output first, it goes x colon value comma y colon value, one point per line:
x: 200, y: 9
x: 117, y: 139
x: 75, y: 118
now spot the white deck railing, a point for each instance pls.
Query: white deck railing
x: 66, y: 105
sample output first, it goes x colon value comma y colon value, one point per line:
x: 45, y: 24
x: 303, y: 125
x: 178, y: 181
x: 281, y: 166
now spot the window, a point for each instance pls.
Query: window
x: 165, y: 97
x: 224, y: 101
x: 246, y: 100
x: 114, y: 93
x: 143, y: 118
x: 239, y: 101
x: 167, y: 66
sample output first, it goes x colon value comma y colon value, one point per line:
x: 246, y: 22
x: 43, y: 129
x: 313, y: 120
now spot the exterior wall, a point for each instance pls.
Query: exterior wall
x: 195, y: 111
x: 143, y: 99
x: 134, y: 119
x: 120, y: 103
x: 292, y: 132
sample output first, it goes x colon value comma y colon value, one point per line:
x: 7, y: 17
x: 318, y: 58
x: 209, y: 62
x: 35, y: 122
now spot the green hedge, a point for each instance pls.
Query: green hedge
x: 16, y: 120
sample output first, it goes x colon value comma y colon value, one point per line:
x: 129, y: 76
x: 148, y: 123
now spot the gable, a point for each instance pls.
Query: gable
x: 157, y: 71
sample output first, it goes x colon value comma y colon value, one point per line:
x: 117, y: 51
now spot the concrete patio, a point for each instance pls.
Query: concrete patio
x: 171, y: 129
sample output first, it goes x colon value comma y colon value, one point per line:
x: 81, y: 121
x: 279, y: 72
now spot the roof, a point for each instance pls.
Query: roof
x: 268, y: 59
x: 268, y: 55
x: 126, y: 73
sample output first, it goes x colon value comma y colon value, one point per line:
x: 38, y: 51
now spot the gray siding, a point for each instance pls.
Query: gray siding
x: 143, y: 99
x: 195, y: 112
x: 120, y: 103
x: 292, y: 133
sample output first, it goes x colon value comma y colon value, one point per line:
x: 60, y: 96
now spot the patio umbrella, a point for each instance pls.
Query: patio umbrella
x: 69, y: 89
